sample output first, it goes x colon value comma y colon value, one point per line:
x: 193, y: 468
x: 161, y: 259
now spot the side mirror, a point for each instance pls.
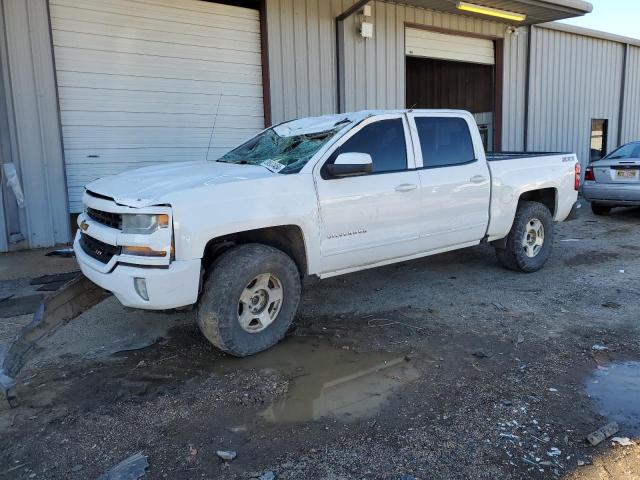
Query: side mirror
x: 348, y: 164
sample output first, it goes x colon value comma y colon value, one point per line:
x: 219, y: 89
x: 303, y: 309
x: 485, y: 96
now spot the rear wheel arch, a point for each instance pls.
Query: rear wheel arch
x: 546, y: 196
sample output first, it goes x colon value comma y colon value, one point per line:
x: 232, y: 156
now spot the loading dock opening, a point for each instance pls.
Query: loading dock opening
x: 448, y: 70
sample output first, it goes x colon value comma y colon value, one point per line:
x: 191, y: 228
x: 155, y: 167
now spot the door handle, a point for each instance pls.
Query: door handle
x: 406, y: 187
x: 478, y: 179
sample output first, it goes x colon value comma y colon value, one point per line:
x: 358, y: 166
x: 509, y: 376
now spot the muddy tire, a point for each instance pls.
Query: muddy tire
x: 530, y: 241
x: 249, y: 299
x: 598, y: 209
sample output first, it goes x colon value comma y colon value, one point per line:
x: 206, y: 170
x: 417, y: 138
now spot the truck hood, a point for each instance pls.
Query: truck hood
x: 148, y: 186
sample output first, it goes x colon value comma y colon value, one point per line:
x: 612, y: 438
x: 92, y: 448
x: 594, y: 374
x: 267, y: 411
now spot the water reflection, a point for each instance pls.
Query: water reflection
x: 615, y: 389
x: 329, y: 381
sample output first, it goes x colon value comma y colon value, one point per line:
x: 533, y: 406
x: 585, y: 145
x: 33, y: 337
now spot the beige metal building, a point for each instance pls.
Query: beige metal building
x: 95, y: 87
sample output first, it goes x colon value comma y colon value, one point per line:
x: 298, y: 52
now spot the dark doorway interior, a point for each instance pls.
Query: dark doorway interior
x: 445, y: 84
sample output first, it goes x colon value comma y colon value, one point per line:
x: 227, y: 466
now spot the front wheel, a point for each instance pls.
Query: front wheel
x: 249, y: 299
x: 530, y: 240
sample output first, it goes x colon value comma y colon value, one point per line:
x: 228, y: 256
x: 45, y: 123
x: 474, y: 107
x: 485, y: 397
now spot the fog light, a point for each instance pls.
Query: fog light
x: 140, y: 284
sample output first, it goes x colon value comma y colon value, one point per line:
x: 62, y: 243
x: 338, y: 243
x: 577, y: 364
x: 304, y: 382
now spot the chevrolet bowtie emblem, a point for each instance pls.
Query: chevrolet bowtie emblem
x: 84, y: 226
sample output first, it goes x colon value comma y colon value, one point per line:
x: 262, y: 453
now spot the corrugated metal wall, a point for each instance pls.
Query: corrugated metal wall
x: 374, y: 75
x: 574, y: 78
x: 303, y: 70
x: 513, y: 99
x: 631, y: 122
x: 302, y: 63
x: 34, y: 127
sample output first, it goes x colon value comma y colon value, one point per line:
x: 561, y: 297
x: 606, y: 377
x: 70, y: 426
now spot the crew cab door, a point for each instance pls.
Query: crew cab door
x: 370, y: 218
x: 455, y: 180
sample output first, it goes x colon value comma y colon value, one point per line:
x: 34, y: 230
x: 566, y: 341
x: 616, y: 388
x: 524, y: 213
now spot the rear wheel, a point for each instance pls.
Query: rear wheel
x: 530, y: 241
x: 249, y: 299
x: 598, y: 209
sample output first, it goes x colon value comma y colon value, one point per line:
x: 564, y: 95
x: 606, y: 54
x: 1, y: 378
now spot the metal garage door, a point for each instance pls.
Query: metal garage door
x: 140, y: 82
x: 428, y: 44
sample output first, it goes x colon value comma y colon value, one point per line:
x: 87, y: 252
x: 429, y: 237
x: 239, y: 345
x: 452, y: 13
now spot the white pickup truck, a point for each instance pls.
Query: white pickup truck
x: 314, y: 198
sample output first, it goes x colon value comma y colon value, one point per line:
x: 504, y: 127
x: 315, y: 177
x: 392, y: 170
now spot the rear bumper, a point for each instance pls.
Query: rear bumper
x: 612, y: 193
x: 171, y: 287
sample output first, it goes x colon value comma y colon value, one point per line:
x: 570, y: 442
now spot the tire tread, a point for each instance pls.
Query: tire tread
x: 216, y: 324
x: 509, y: 257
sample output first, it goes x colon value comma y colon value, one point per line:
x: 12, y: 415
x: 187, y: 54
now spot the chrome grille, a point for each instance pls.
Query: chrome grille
x: 101, y: 251
x: 113, y: 220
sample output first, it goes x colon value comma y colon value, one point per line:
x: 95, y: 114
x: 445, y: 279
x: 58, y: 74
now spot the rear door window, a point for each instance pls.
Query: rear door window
x: 444, y: 141
x: 384, y: 140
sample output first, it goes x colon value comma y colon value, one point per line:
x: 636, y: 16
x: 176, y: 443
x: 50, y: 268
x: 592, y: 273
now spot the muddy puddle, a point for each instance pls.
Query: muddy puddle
x: 615, y: 390
x: 325, y: 381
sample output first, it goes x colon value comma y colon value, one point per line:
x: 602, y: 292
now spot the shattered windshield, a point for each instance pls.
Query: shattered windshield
x: 280, y: 154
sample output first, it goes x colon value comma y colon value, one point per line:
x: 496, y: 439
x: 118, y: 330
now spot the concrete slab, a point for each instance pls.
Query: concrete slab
x: 106, y: 329
x: 33, y: 263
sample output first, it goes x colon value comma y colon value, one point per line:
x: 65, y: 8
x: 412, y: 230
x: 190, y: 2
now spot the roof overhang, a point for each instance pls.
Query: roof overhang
x: 536, y: 11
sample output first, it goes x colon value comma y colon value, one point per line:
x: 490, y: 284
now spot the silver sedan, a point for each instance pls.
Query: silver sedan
x: 614, y: 181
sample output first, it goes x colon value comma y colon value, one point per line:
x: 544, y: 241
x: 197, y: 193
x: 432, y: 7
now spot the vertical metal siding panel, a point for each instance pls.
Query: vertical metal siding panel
x: 327, y: 57
x: 552, y: 108
x: 575, y: 78
x: 632, y: 101
x: 290, y: 106
x: 48, y: 119
x: 276, y: 80
x: 514, y: 91
x: 6, y: 147
x: 521, y: 78
x: 400, y: 58
x: 37, y: 129
x: 370, y: 64
x: 349, y: 60
x: 359, y: 71
x: 301, y: 58
x: 390, y: 54
x: 534, y: 85
x: 313, y: 57
x: 631, y: 121
x: 380, y: 34
x: 507, y: 95
x: 582, y: 120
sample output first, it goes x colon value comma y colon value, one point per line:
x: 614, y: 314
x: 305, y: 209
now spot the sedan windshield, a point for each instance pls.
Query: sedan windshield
x: 283, y: 154
x: 630, y: 150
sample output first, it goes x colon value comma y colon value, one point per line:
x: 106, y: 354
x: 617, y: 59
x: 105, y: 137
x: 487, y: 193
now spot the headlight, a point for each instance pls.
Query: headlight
x: 145, y: 224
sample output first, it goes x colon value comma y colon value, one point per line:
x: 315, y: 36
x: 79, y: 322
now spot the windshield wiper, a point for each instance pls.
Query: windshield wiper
x: 239, y: 162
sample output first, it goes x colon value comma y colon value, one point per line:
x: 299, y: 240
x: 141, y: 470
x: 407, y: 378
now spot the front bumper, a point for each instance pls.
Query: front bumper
x: 612, y: 193
x: 171, y: 287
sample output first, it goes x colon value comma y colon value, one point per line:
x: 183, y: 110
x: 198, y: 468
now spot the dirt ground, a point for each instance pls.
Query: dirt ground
x: 442, y: 368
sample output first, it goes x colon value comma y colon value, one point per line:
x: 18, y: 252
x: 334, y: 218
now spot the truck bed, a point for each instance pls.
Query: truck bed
x: 499, y: 156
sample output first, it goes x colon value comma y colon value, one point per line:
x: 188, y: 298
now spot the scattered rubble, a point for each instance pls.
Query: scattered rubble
x: 623, y: 441
x: 66, y: 252
x: 227, y: 455
x: 132, y: 468
x: 603, y: 433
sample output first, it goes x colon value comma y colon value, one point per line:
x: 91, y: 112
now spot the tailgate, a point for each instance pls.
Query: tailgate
x: 617, y: 171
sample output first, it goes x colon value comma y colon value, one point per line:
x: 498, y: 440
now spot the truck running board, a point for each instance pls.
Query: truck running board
x: 56, y: 310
